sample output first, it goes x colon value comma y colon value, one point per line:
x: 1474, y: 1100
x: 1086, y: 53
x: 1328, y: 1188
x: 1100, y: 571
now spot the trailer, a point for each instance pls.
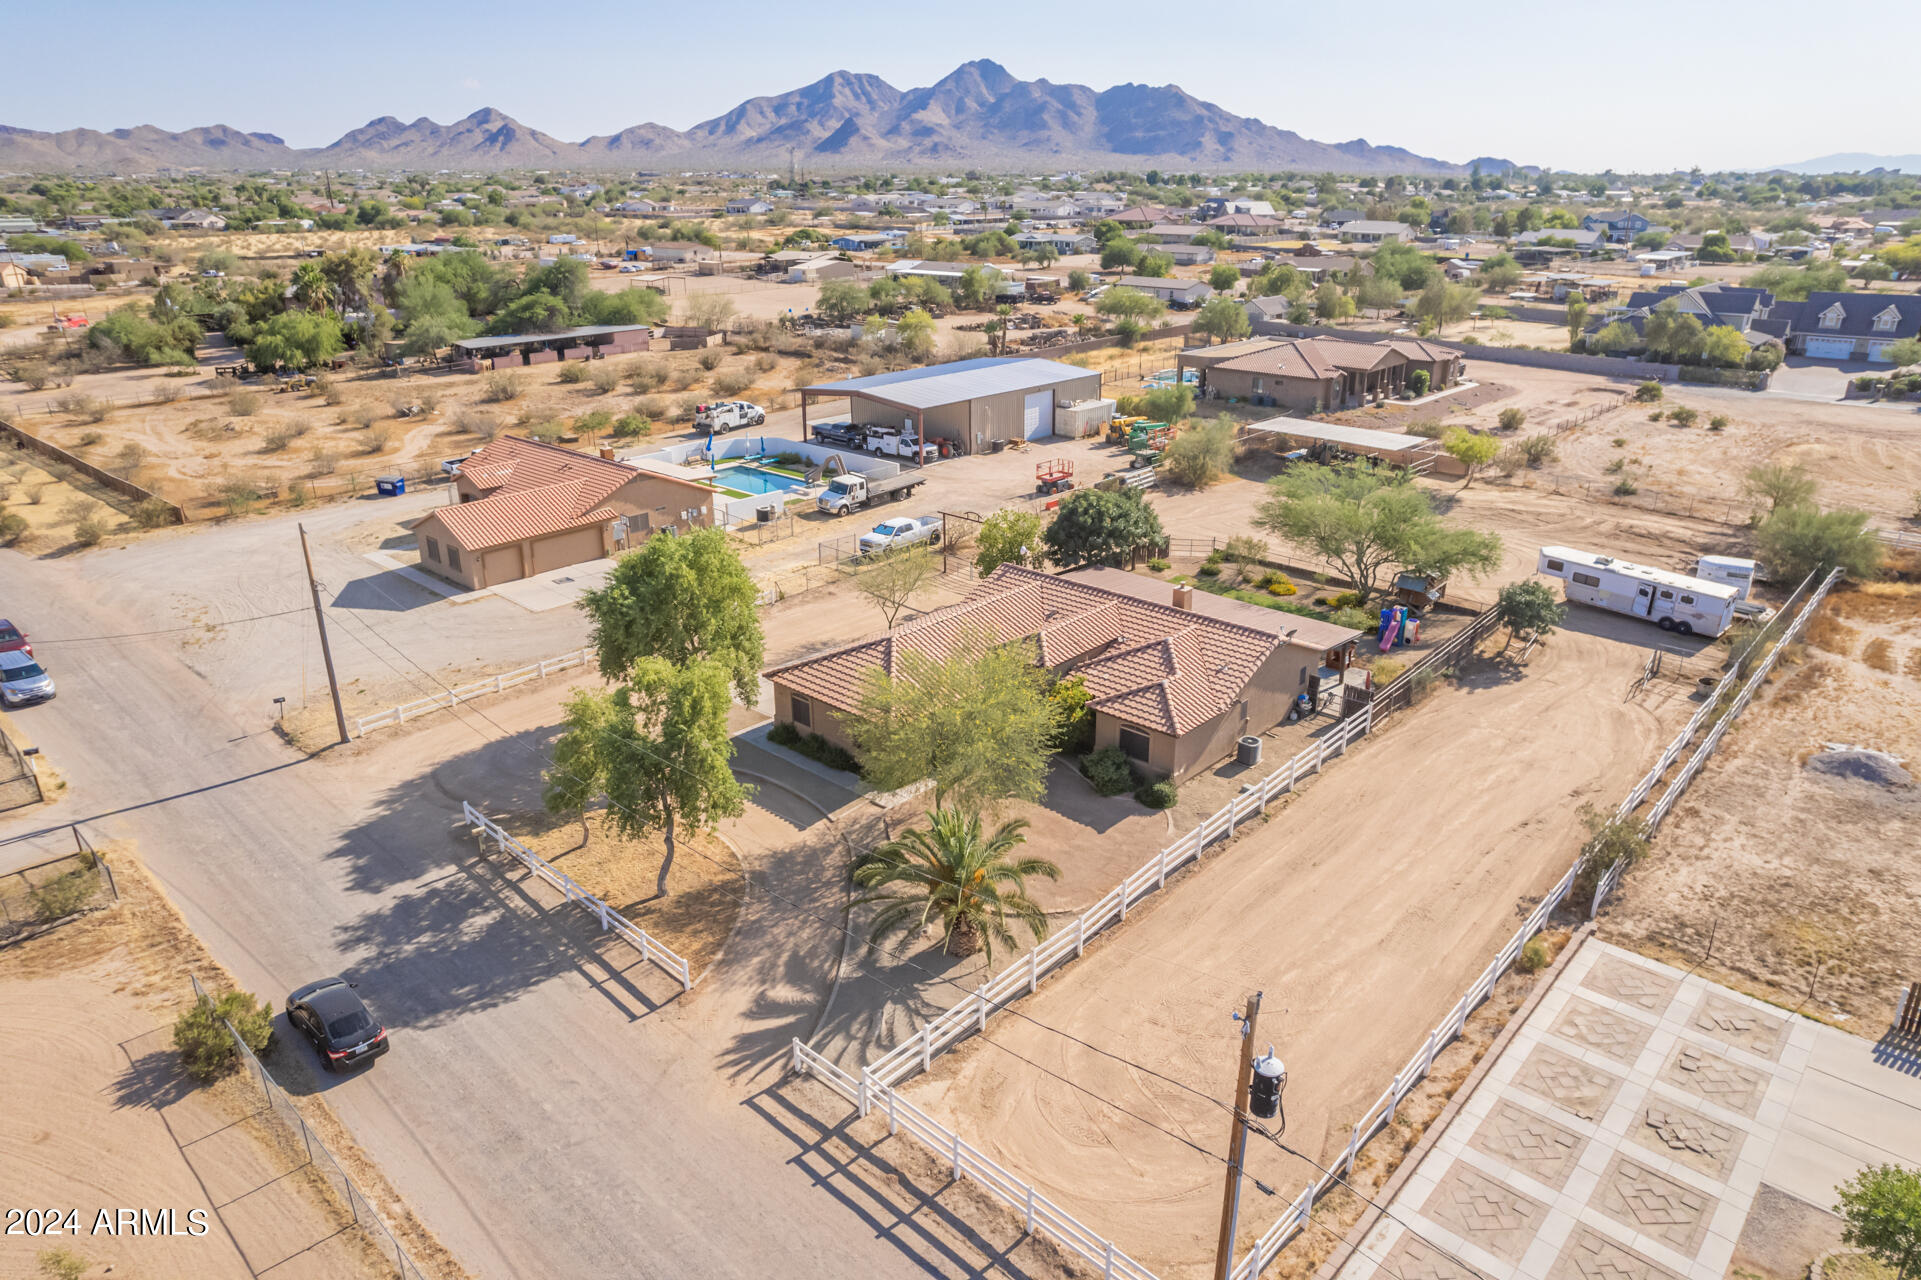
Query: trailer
x: 1672, y: 601
x: 1054, y: 476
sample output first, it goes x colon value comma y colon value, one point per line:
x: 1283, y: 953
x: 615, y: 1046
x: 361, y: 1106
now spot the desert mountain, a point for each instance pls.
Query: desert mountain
x: 980, y: 114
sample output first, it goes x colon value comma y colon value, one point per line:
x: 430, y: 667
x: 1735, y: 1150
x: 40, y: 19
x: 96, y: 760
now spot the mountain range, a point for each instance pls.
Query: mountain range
x: 1849, y: 162
x: 979, y: 115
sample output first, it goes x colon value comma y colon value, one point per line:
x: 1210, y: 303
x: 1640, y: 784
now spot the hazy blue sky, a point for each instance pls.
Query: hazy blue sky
x: 1632, y: 85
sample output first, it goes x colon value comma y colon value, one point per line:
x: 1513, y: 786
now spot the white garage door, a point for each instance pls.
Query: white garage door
x: 1038, y: 421
x: 1830, y: 348
x: 1878, y: 352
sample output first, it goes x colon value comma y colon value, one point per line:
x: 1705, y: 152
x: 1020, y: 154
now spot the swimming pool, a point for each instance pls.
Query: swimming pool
x: 746, y: 478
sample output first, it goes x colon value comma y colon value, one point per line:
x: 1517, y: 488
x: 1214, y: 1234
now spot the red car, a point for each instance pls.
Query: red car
x: 12, y: 638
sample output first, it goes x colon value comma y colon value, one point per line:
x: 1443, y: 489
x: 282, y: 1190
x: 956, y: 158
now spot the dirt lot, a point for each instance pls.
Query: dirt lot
x: 1362, y: 908
x: 1793, y: 859
x: 95, y: 1113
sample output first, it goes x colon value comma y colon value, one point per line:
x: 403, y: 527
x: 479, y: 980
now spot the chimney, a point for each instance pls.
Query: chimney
x: 607, y: 452
x: 1184, y: 597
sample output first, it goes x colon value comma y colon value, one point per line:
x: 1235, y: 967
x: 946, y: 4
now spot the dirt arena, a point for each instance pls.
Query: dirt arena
x: 1362, y: 909
x: 1789, y: 871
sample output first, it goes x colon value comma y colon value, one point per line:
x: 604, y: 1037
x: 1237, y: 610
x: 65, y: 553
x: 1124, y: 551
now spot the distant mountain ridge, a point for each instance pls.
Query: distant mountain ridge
x: 980, y: 115
x: 1848, y: 162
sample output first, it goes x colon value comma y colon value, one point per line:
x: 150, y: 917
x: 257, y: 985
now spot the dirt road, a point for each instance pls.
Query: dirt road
x: 1362, y: 909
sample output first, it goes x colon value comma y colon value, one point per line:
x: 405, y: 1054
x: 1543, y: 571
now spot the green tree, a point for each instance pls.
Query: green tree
x: 1223, y: 276
x: 1009, y: 536
x: 915, y: 332
x: 1405, y: 265
x: 1903, y: 352
x: 1722, y: 345
x: 976, y: 720
x: 206, y: 1047
x: 1094, y: 526
x: 297, y: 340
x: 1331, y: 304
x: 895, y: 577
x: 1880, y: 1207
x: 1614, y: 338
x: 1576, y: 319
x: 311, y: 288
x: 1471, y: 449
x: 1379, y: 293
x: 586, y: 754
x: 979, y: 286
x: 1200, y: 455
x: 842, y: 301
x: 1364, y: 521
x: 1442, y: 303
x: 1078, y: 281
x: 681, y: 599
x: 952, y: 872
x: 668, y: 754
x: 1798, y: 540
x: 1501, y: 273
x: 1780, y: 484
x: 1170, y: 404
x: 1154, y: 264
x: 1528, y: 606
x: 1123, y: 303
x: 1223, y: 318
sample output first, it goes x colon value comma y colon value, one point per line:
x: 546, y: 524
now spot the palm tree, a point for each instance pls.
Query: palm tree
x: 311, y: 288
x: 948, y: 869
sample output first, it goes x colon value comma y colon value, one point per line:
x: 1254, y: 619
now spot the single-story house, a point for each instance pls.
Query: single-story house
x: 968, y: 403
x: 1245, y: 224
x: 526, y: 508
x: 1174, y: 232
x: 13, y: 276
x: 749, y: 205
x: 1374, y: 231
x: 861, y: 241
x: 1181, y: 294
x: 1136, y: 217
x: 1188, y: 255
x: 1442, y: 364
x: 1176, y: 677
x: 1335, y: 219
x: 1061, y: 242
x: 1617, y: 225
x: 1310, y: 375
x: 688, y: 252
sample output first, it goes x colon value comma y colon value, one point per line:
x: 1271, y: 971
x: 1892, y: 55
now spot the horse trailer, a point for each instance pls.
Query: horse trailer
x: 1672, y: 601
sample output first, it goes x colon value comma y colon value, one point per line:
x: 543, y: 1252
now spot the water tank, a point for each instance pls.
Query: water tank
x: 1249, y: 752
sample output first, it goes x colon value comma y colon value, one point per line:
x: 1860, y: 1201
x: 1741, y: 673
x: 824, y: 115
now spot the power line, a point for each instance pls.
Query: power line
x: 164, y: 631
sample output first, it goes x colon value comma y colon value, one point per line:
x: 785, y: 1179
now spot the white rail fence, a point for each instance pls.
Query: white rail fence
x: 453, y: 697
x: 971, y: 1014
x: 1041, y: 1215
x: 1677, y: 788
x: 651, y: 948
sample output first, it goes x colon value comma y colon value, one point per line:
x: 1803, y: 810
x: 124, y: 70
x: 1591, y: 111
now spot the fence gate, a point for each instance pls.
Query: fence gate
x: 1909, y: 1022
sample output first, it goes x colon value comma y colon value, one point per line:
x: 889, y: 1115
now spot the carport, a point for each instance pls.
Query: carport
x: 1322, y: 439
x: 975, y: 405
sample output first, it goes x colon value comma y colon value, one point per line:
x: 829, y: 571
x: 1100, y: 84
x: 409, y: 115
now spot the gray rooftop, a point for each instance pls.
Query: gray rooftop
x: 519, y: 339
x: 942, y: 384
x: 1352, y: 437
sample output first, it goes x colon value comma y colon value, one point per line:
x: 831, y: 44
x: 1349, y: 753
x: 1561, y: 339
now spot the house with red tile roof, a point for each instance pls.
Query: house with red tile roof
x: 526, y: 508
x: 1177, y: 677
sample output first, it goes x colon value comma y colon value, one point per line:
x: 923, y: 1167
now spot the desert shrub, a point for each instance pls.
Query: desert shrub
x: 1648, y: 392
x: 86, y: 408
x: 1656, y: 416
x: 361, y: 415
x: 571, y: 371
x: 88, y: 439
x: 1211, y: 569
x: 546, y: 432
x: 330, y: 391
x: 1625, y: 487
x: 243, y: 404
x: 200, y: 1034
x: 277, y: 440
x: 1353, y: 619
x: 1427, y: 429
x: 1513, y: 419
x: 13, y: 527
x: 37, y: 494
x: 61, y: 1264
x: 31, y: 374
x: 1533, y: 957
x: 499, y: 388
x: 604, y: 377
x: 1536, y: 451
x: 1279, y: 585
x: 1159, y: 794
x: 683, y: 378
x: 629, y: 425
x: 1682, y: 416
x: 710, y: 358
x: 732, y: 383
x: 1108, y: 770
x: 1344, y: 600
x: 237, y: 495
x: 645, y: 376
x: 1619, y: 442
x: 63, y: 895
x: 1157, y: 565
x: 477, y: 422
x: 651, y: 407
x: 1421, y: 683
x: 765, y: 362
x: 593, y: 424
x: 89, y: 530
x: 1616, y: 467
x: 813, y: 746
x: 152, y: 513
x: 1719, y: 422
x: 1610, y: 841
x: 168, y: 392
x: 376, y: 440
x: 322, y: 461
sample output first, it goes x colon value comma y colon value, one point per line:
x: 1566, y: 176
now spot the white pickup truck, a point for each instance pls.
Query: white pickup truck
x: 895, y: 443
x: 904, y: 531
x: 727, y: 415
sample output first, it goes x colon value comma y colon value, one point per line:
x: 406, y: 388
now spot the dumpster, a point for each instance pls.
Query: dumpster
x: 390, y: 486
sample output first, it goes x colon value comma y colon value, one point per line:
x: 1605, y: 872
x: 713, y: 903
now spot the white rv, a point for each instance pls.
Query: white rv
x: 1673, y: 601
x: 1729, y: 571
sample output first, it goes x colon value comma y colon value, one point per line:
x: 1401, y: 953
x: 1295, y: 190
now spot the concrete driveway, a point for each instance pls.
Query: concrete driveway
x: 1815, y: 379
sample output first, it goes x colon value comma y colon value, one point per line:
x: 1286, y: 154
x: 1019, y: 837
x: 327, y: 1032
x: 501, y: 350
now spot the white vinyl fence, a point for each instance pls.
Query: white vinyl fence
x: 468, y: 692
x: 1676, y: 789
x: 1041, y: 1215
x: 650, y: 948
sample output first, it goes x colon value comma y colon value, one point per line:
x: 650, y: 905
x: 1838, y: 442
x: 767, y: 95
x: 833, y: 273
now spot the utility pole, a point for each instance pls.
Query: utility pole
x: 1237, y: 1140
x: 333, y: 685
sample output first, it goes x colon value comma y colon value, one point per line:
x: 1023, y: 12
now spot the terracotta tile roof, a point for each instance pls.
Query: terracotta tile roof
x: 1286, y: 360
x: 511, y: 463
x: 528, y: 513
x: 1147, y: 663
x: 1415, y: 349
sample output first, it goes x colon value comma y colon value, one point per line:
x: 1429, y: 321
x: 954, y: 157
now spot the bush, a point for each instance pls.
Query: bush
x: 1354, y: 619
x: 1157, y: 565
x: 362, y: 416
x: 243, y: 404
x: 1418, y: 381
x: 376, y: 440
x: 85, y: 407
x: 277, y: 440
x: 475, y: 422
x: 89, y: 530
x: 62, y: 1264
x: 1344, y: 600
x: 1625, y: 487
x: 322, y: 462
x: 1159, y: 794
x: 1108, y: 770
x: 331, y: 391
x: 153, y: 513
x: 206, y: 1050
x: 1279, y: 584
x: 1718, y: 422
x: 571, y: 371
x: 645, y: 376
x: 813, y: 746
x: 1385, y: 670
x: 629, y: 425
x: 1537, y: 451
x: 1426, y: 429
x: 63, y: 895
x: 13, y: 527
x: 1619, y: 442
x: 1610, y: 840
x: 1648, y: 392
x: 88, y: 439
x: 545, y: 432
x: 732, y: 383
x: 1513, y: 419
x: 1533, y: 957
x: 1682, y: 416
x: 1200, y: 455
x: 593, y: 424
x: 499, y: 388
x: 1211, y: 569
x: 765, y: 363
x: 604, y: 377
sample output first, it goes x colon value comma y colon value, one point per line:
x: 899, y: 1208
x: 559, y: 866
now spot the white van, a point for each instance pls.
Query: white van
x: 1729, y: 571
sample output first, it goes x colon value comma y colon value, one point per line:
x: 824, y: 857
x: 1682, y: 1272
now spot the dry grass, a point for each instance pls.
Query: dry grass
x: 1828, y: 632
x: 1880, y: 655
x: 1877, y: 602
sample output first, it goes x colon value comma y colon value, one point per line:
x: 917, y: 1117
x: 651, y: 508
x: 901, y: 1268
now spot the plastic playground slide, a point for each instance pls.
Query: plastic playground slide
x: 1391, y: 626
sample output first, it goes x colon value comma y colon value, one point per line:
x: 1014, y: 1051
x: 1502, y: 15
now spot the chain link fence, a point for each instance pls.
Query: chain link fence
x: 323, y: 1161
x: 34, y: 898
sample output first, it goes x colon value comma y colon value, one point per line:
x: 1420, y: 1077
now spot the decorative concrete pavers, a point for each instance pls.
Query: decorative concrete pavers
x: 1529, y: 1142
x: 1615, y: 976
x: 1589, y: 1255
x: 1486, y: 1213
x: 1614, y: 1034
x: 1634, y: 1195
x: 1681, y: 1133
x: 1740, y: 1025
x: 1719, y: 1080
x: 1580, y: 1087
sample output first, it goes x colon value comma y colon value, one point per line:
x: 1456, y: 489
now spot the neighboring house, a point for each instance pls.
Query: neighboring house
x: 861, y: 241
x: 1618, y: 225
x: 527, y: 508
x: 1584, y: 239
x: 1175, y: 677
x: 1188, y: 255
x: 749, y: 206
x: 1372, y: 231
x: 641, y: 206
x: 1044, y: 207
x: 17, y: 224
x: 1853, y: 326
x: 689, y: 252
x: 1140, y: 216
x: 1174, y: 232
x: 825, y: 266
x: 1245, y: 224
x: 1335, y: 219
x: 1061, y: 242
x: 1759, y: 242
x: 1181, y: 294
x: 1312, y: 375
x: 1753, y: 313
x: 194, y: 220
x: 13, y: 276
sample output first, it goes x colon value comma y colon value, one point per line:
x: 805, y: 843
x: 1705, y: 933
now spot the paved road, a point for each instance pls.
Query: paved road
x: 552, y: 1107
